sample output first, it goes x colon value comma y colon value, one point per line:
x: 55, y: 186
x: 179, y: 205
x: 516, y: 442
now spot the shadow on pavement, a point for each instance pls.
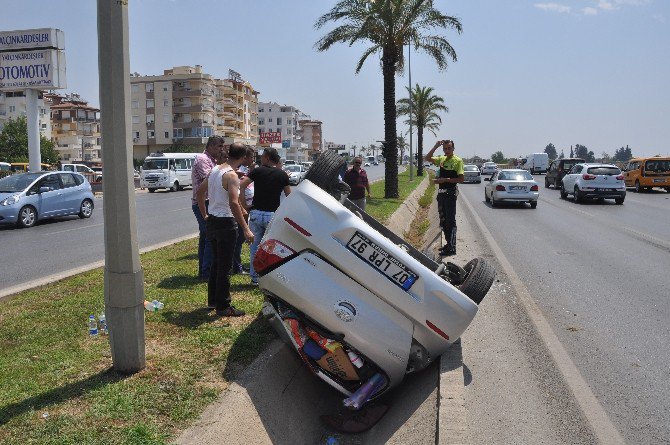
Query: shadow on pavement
x: 59, y: 395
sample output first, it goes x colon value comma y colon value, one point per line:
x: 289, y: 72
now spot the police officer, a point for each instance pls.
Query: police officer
x: 451, y: 173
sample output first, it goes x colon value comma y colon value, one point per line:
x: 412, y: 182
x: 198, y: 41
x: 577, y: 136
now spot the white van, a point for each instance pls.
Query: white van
x: 167, y: 171
x: 87, y: 171
x: 535, y: 163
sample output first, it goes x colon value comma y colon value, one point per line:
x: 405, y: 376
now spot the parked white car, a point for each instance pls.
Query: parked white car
x: 511, y: 186
x: 599, y: 181
x: 489, y: 168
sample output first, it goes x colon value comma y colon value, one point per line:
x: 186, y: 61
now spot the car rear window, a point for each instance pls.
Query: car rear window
x: 609, y: 171
x: 471, y: 168
x: 514, y: 176
x: 568, y: 165
x: 660, y: 166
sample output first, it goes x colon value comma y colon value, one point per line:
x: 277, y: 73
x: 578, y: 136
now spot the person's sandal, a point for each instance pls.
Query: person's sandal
x: 231, y: 311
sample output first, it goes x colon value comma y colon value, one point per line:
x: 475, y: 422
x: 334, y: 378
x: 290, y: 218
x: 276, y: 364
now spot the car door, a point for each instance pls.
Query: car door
x: 69, y: 193
x: 48, y: 202
x: 569, y: 178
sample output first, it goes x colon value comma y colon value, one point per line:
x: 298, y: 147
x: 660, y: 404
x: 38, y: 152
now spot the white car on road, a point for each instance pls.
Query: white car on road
x: 511, y: 186
x: 471, y: 174
x: 489, y: 168
x: 296, y: 173
x: 598, y: 181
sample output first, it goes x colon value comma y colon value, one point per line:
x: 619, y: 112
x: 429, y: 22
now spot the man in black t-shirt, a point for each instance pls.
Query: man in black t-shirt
x: 269, y: 182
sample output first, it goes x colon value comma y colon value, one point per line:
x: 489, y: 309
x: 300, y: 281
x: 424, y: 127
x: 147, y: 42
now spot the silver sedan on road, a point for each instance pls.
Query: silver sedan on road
x: 511, y: 186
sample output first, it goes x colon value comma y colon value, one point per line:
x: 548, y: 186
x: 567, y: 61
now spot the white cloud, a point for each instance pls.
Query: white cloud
x: 553, y: 7
x: 606, y: 5
x: 589, y: 11
x: 660, y: 18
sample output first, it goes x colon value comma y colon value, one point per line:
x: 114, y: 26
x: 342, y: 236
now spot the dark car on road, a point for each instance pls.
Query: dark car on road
x: 559, y: 168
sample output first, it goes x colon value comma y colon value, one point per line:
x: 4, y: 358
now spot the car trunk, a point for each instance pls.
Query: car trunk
x: 603, y: 178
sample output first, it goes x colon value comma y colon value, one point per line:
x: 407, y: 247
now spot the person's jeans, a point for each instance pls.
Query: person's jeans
x: 359, y: 202
x: 258, y: 222
x: 223, y: 233
x: 204, y: 246
x: 237, y: 256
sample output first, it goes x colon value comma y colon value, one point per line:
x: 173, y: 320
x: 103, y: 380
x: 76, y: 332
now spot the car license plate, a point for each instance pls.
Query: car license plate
x: 381, y: 260
x: 517, y: 187
x: 659, y: 180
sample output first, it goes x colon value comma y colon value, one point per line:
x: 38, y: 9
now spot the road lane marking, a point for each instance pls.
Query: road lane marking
x: 77, y: 270
x: 642, y: 236
x: 593, y: 412
x: 74, y: 228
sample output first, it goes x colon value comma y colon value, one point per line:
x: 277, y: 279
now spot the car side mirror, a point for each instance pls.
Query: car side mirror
x: 45, y: 189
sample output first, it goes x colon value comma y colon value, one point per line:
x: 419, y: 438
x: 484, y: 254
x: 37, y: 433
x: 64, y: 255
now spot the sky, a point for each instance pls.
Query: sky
x: 529, y: 73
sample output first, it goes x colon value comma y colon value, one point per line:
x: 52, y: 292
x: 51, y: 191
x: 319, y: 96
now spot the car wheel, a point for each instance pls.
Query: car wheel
x: 27, y: 217
x: 546, y: 182
x: 86, y: 209
x: 557, y: 184
x: 152, y: 190
x: 479, y: 278
x: 638, y: 189
x: 619, y: 201
x: 667, y: 189
x: 564, y: 194
x: 175, y: 187
x: 324, y: 172
x: 577, y: 194
x: 533, y: 204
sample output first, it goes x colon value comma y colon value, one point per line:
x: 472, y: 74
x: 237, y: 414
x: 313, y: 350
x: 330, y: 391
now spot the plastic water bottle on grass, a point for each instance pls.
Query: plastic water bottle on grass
x: 92, y: 327
x: 148, y: 305
x: 158, y: 305
x: 103, y: 324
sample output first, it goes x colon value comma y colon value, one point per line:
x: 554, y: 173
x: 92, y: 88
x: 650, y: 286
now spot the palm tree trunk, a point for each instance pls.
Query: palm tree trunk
x: 389, y: 61
x: 419, y: 150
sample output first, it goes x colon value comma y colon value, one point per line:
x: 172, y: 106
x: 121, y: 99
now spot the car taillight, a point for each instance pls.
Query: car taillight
x: 620, y: 178
x: 588, y: 177
x: 270, y: 253
x: 534, y: 188
x: 500, y: 188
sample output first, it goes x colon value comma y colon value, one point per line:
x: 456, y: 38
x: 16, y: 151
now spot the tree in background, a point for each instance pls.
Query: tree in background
x: 622, y: 154
x: 582, y: 152
x: 402, y: 146
x: 551, y: 151
x: 572, y: 153
x: 605, y: 158
x: 388, y: 25
x: 498, y: 157
x: 14, y: 143
x: 180, y: 147
x: 562, y: 155
x: 425, y: 106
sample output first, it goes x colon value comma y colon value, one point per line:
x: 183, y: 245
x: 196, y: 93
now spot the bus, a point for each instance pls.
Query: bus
x: 170, y: 171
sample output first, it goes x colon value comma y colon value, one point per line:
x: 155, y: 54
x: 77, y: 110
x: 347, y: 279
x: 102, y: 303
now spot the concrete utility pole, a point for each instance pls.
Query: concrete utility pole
x: 33, y: 121
x: 124, y: 279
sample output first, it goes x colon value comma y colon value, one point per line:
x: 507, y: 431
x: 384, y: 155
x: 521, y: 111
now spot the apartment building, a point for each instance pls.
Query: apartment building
x: 301, y: 136
x: 75, y: 128
x: 13, y: 106
x: 184, y: 107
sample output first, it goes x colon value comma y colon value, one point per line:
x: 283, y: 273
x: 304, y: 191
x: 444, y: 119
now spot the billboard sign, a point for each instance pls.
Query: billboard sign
x: 39, y: 69
x: 28, y: 39
x: 270, y: 137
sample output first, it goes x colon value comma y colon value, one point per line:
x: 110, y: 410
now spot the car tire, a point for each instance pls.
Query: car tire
x: 478, y: 281
x: 638, y: 189
x: 619, y: 201
x: 27, y: 217
x: 86, y: 209
x: 546, y: 182
x: 667, y: 189
x: 175, y: 187
x: 557, y: 184
x: 324, y: 172
x: 564, y: 194
x: 533, y: 204
x: 577, y: 195
x: 151, y: 190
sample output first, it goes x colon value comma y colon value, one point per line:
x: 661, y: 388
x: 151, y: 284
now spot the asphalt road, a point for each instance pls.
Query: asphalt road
x: 598, y: 273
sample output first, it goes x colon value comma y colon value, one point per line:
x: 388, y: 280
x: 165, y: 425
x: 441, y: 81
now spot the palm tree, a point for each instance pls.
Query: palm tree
x: 425, y: 106
x: 402, y: 146
x: 388, y: 25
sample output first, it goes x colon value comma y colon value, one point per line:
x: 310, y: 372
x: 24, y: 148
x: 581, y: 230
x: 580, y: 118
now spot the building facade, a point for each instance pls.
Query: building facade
x: 184, y: 107
x: 301, y: 136
x: 75, y: 128
x: 311, y: 134
x: 13, y: 106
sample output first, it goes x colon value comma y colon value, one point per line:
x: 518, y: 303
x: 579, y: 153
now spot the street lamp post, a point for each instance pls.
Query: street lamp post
x: 409, y: 70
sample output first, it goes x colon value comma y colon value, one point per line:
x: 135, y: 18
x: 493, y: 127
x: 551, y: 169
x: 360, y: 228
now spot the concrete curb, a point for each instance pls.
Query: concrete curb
x: 401, y: 220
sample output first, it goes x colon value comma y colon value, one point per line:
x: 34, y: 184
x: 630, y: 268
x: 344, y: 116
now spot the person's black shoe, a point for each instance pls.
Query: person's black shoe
x: 231, y: 311
x: 447, y: 252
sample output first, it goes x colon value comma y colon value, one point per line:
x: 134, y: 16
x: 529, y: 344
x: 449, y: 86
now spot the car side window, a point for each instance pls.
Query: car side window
x: 68, y: 180
x: 79, y: 180
x: 51, y: 181
x: 578, y: 169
